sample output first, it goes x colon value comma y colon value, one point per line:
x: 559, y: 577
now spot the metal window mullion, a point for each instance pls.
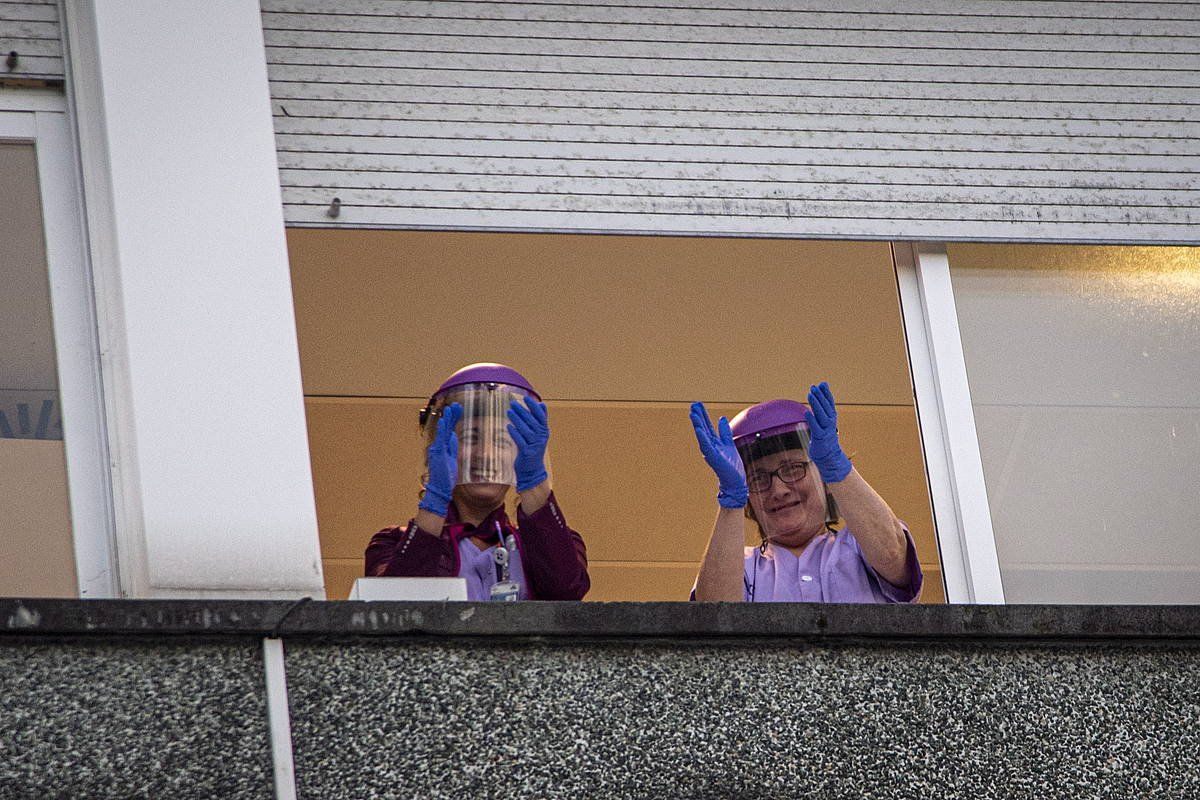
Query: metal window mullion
x: 962, y: 516
x: 77, y: 351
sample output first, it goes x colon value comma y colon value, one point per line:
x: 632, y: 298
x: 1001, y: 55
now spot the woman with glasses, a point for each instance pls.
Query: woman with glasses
x: 780, y: 464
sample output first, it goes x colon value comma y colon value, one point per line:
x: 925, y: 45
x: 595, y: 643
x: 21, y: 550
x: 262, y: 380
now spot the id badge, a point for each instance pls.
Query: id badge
x: 505, y: 591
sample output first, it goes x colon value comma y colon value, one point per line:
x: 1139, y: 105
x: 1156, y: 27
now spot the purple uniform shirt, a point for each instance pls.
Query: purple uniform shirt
x: 550, y: 562
x: 479, y: 568
x: 831, y: 569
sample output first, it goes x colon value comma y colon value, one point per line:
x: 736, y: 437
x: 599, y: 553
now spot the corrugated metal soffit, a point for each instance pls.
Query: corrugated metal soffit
x: 906, y: 119
x: 30, y: 43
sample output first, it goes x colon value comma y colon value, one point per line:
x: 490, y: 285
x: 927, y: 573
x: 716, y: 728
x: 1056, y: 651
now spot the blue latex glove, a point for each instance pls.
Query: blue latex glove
x: 442, y: 463
x: 720, y: 454
x: 824, y: 449
x: 530, y: 430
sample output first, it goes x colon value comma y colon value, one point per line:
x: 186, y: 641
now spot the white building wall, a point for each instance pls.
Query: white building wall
x: 214, y: 492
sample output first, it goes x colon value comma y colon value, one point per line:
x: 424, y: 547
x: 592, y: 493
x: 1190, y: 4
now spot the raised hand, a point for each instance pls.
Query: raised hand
x: 825, y: 450
x: 721, y: 455
x: 442, y: 463
x: 529, y: 428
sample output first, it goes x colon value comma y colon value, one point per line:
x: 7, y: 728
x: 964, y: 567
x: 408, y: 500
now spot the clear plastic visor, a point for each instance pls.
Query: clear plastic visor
x: 786, y: 492
x: 486, y: 453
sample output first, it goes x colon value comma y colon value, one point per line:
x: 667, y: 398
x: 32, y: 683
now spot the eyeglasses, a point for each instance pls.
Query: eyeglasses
x: 789, y: 472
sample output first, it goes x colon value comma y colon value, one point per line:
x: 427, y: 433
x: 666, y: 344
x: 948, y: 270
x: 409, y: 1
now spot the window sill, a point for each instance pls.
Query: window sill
x: 800, y: 621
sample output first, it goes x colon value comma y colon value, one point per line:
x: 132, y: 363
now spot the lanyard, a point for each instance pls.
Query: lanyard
x: 504, y: 589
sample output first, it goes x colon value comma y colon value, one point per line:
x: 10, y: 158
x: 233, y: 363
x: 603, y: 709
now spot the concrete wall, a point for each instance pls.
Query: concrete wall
x: 757, y: 719
x: 584, y: 700
x: 122, y: 718
x: 212, y: 494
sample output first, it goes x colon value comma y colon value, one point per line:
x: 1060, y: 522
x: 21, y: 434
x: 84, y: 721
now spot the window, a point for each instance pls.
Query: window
x: 33, y: 478
x: 620, y: 333
x: 54, y: 497
x: 1084, y: 369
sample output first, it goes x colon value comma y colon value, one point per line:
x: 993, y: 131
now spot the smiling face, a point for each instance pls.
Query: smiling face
x: 485, y: 452
x: 788, y: 512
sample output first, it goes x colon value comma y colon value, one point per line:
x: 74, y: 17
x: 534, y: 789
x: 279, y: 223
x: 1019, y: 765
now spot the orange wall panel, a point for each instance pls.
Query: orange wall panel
x: 35, y: 517
x: 340, y: 575
x: 645, y: 581
x: 391, y: 313
x: 366, y: 460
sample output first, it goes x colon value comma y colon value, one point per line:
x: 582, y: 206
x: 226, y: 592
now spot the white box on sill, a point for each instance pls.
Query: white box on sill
x: 409, y: 589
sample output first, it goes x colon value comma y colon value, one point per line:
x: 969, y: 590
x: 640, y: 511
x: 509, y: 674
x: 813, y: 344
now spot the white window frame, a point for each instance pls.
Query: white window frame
x: 41, y: 119
x: 946, y: 417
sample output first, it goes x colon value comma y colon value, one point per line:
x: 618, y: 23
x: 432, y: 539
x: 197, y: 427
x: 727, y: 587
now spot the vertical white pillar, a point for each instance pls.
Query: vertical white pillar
x: 955, y: 468
x: 212, y: 484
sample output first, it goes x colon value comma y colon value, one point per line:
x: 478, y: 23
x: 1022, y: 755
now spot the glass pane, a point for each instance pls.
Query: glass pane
x: 1084, y: 366
x: 619, y: 335
x: 37, y: 557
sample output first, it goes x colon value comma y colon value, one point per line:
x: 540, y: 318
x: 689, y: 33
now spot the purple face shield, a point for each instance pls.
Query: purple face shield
x: 486, y: 452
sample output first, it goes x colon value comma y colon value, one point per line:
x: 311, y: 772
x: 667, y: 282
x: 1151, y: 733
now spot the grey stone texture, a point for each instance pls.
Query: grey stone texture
x: 755, y: 719
x: 131, y: 719
x: 123, y: 698
x: 304, y: 618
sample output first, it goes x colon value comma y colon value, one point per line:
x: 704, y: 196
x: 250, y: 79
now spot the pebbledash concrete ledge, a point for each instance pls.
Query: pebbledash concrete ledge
x: 111, y: 698
x: 321, y: 619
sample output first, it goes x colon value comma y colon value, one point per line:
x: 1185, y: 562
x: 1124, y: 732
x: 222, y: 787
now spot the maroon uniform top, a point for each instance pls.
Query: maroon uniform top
x: 553, y: 555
